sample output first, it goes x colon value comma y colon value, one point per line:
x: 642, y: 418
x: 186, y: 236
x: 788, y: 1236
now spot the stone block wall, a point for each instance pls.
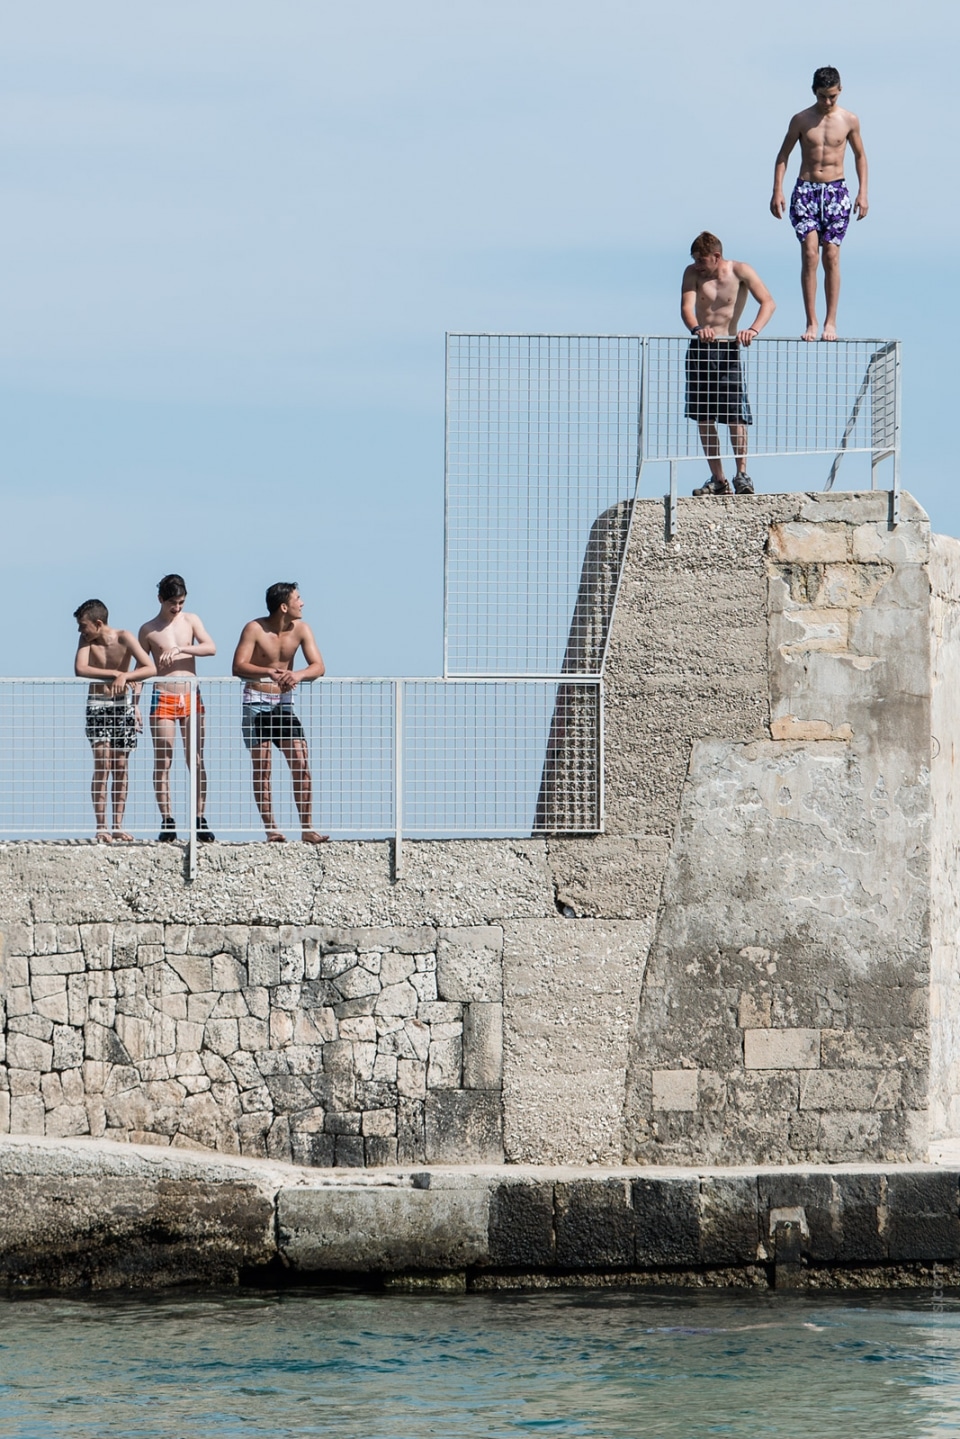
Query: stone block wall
x: 324, y: 1046
x: 305, y: 1006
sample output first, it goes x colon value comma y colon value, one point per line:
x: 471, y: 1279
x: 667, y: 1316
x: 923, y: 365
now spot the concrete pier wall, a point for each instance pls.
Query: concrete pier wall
x: 755, y: 963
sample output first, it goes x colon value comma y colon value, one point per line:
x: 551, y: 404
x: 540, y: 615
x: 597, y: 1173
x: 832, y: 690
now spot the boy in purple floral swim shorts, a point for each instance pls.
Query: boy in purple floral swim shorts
x: 820, y: 205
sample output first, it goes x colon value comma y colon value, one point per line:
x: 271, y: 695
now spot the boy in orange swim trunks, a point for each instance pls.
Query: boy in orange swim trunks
x: 175, y: 640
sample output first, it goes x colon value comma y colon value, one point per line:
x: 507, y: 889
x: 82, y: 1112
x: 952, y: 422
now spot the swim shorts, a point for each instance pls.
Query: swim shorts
x: 112, y: 720
x: 170, y: 705
x: 715, y: 388
x: 824, y: 208
x: 270, y: 722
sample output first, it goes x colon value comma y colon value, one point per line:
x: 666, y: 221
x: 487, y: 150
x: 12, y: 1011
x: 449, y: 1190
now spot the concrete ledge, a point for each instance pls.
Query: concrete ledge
x: 77, y: 1214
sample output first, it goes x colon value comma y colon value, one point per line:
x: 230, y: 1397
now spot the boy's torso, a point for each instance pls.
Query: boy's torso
x: 823, y: 144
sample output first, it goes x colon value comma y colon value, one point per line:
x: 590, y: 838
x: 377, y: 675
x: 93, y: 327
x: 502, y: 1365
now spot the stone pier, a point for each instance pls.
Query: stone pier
x: 755, y: 964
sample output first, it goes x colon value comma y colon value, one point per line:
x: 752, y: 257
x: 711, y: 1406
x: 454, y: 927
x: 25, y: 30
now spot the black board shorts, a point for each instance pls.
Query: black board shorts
x: 270, y: 724
x: 715, y: 386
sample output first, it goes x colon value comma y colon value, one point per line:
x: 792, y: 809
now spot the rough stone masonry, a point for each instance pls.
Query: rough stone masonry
x: 755, y: 963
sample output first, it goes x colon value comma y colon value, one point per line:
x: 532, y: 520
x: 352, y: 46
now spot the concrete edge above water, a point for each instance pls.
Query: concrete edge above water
x: 77, y: 1215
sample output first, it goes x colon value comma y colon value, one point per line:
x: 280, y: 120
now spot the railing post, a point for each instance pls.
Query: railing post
x: 397, y: 779
x: 895, y: 497
x: 672, y: 502
x: 192, y: 779
x: 601, y: 758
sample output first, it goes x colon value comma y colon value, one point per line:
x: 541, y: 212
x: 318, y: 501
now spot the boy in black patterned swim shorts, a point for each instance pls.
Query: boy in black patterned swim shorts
x: 113, y: 719
x: 264, y: 660
x: 820, y: 206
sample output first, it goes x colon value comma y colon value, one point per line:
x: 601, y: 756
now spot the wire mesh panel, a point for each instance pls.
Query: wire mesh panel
x: 324, y: 761
x: 793, y: 398
x: 72, y: 764
x: 486, y: 758
x: 541, y: 442
x: 490, y: 758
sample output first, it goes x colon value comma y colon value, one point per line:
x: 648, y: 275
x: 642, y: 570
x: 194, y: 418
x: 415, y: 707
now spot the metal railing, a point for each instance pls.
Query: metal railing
x: 789, y: 397
x: 547, y: 438
x: 422, y: 758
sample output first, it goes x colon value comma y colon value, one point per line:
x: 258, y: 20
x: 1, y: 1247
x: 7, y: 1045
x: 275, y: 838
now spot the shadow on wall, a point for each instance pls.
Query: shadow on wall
x: 569, y: 797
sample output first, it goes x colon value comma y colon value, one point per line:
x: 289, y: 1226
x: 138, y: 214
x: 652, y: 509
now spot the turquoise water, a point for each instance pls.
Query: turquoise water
x: 563, y: 1363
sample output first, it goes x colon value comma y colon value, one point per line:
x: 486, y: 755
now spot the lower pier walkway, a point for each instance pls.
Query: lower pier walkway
x: 78, y: 1214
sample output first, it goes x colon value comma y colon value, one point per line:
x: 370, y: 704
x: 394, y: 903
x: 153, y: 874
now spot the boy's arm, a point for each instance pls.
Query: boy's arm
x: 861, y: 204
x: 315, y: 666
x: 144, y: 669
x: 748, y: 275
x: 688, y: 298
x: 203, y: 645
x: 777, y: 202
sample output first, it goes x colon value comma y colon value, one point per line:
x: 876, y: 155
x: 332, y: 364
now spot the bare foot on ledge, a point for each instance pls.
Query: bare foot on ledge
x: 829, y: 332
x: 104, y: 836
x: 275, y: 837
x: 310, y: 836
x: 122, y: 836
x: 810, y: 333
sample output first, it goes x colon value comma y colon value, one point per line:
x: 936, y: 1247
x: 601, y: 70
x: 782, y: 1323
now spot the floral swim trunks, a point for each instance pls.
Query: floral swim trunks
x: 824, y: 208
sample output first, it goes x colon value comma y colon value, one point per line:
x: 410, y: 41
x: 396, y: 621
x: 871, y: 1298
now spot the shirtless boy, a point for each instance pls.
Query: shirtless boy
x: 712, y: 300
x: 104, y: 655
x: 264, y: 659
x: 176, y: 640
x: 820, y: 205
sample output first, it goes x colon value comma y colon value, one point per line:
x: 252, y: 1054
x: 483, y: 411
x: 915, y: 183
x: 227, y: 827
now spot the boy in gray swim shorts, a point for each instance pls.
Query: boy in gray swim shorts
x: 112, y: 719
x: 820, y: 206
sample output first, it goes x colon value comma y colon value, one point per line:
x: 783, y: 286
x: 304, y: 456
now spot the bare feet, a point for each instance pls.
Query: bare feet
x: 810, y: 333
x: 121, y: 834
x: 829, y: 332
x: 310, y: 836
x: 275, y: 837
x: 104, y: 836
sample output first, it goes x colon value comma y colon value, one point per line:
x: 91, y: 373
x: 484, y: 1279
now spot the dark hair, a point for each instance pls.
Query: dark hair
x: 825, y: 78
x: 92, y: 610
x: 279, y: 593
x: 171, y: 587
x: 705, y: 244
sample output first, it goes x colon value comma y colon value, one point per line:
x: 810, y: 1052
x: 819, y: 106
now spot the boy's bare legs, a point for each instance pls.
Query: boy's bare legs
x: 163, y: 732
x: 830, y: 255
x: 201, y: 768
x: 295, y: 753
x: 738, y: 443
x: 809, y: 260
x: 98, y: 790
x: 262, y: 760
x: 710, y: 441
x: 119, y: 760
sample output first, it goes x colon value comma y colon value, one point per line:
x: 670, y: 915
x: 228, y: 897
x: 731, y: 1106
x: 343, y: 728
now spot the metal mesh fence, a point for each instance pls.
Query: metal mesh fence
x: 546, y: 438
x: 541, y: 441
x: 379, y: 757
x: 795, y: 398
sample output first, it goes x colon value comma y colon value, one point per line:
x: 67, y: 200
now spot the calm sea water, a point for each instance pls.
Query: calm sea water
x: 563, y: 1363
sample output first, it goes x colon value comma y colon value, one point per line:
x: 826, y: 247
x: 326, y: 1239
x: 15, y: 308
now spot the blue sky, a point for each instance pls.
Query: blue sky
x: 235, y: 234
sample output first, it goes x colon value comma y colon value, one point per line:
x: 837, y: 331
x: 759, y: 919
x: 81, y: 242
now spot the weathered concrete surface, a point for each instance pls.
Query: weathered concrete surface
x: 945, y: 840
x: 756, y: 962
x: 770, y: 701
x: 76, y: 1215
x: 567, y: 1031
